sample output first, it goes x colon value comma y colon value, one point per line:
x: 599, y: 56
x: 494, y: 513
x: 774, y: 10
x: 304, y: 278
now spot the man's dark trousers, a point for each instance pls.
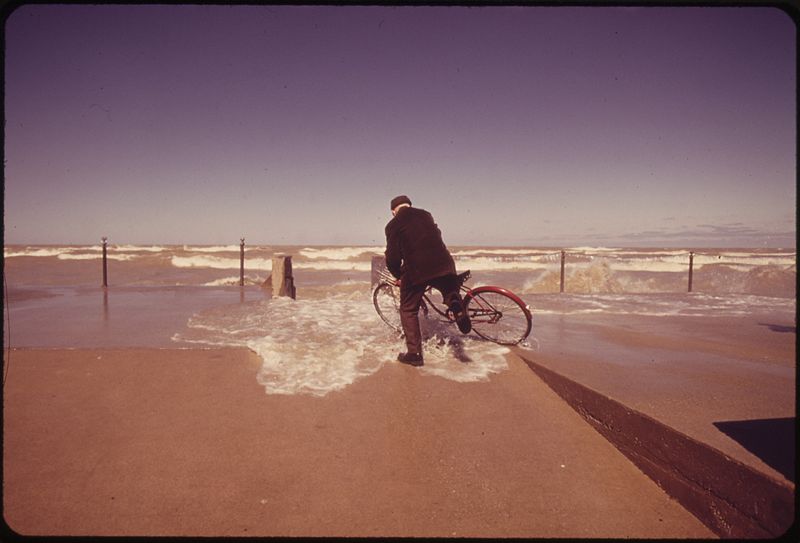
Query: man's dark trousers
x: 410, y: 299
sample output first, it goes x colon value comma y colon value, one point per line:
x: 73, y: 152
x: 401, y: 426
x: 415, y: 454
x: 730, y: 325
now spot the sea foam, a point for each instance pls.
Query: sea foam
x: 317, y: 346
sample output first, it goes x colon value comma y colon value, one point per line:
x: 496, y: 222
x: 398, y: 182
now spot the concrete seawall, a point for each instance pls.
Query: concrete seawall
x: 731, y: 498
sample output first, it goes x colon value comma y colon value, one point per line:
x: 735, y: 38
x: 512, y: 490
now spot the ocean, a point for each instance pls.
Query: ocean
x: 179, y: 296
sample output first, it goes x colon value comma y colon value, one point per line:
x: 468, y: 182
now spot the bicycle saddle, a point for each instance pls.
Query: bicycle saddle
x: 463, y: 277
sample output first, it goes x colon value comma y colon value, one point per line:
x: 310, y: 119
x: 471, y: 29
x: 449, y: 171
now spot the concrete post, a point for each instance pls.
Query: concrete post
x: 691, y: 266
x: 282, y: 280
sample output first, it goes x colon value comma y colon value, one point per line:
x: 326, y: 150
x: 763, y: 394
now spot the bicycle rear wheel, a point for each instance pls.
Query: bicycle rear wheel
x: 498, y: 315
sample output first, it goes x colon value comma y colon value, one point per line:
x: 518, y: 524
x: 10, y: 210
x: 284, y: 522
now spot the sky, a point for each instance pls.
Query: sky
x: 514, y: 126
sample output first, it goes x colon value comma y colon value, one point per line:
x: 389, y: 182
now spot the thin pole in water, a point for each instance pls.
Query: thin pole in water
x: 105, y: 263
x: 241, y: 263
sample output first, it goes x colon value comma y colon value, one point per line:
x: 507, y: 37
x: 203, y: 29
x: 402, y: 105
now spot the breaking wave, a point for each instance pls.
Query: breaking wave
x: 768, y: 272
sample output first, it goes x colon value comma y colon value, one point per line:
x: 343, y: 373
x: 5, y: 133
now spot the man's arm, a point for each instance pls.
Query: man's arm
x: 394, y: 258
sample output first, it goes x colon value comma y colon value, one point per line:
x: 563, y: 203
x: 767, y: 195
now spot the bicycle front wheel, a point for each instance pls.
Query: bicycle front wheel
x: 386, y: 300
x: 498, y: 315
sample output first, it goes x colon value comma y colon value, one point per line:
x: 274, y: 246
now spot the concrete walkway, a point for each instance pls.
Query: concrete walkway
x: 143, y: 442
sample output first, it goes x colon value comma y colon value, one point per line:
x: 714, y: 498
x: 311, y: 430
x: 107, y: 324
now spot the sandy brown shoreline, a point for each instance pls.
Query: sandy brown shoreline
x: 185, y: 442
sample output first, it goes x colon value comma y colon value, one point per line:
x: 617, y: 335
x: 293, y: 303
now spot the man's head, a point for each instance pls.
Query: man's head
x: 398, y: 202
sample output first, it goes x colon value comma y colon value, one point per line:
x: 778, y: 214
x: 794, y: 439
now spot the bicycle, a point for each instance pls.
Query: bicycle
x: 497, y: 314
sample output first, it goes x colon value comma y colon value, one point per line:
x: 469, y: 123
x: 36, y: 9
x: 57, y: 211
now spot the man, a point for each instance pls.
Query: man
x: 418, y: 258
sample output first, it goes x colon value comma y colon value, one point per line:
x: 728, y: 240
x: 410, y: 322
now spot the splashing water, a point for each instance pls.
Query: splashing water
x: 316, y: 346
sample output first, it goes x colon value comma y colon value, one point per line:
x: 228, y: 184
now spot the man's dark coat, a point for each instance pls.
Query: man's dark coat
x: 415, y: 251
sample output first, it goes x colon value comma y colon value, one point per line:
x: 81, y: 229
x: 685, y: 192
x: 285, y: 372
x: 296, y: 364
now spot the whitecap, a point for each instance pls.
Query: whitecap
x: 212, y: 248
x: 340, y: 253
x: 221, y: 263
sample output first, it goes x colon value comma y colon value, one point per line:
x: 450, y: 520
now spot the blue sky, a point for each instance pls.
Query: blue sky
x: 534, y: 126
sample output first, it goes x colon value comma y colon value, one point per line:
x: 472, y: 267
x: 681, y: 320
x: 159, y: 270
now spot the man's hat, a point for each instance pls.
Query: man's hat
x: 400, y: 200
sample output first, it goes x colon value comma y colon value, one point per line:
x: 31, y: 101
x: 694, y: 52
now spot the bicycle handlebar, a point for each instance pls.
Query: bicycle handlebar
x: 463, y: 277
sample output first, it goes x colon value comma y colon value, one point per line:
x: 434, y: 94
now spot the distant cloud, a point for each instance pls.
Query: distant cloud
x: 733, y: 229
x: 710, y: 235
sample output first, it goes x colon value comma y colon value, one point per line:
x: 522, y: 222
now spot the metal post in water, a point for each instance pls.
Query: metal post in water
x: 691, y: 266
x: 105, y: 263
x: 241, y: 264
x: 563, y: 257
